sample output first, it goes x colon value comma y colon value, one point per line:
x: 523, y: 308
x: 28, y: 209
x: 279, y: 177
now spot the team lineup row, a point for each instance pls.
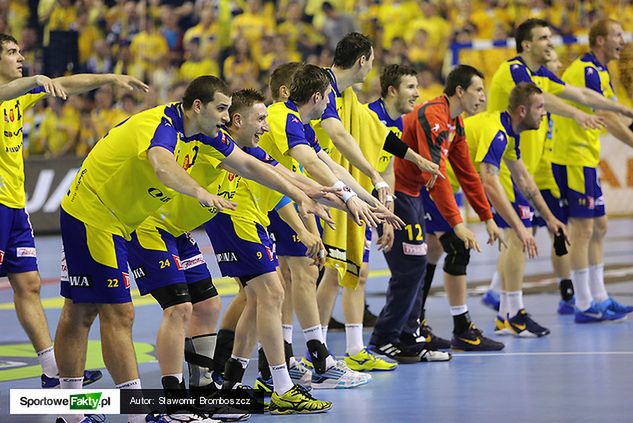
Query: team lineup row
x: 168, y: 170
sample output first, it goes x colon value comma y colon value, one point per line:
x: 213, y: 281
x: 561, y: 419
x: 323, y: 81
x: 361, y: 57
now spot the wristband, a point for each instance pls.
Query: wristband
x: 381, y: 185
x: 346, y: 192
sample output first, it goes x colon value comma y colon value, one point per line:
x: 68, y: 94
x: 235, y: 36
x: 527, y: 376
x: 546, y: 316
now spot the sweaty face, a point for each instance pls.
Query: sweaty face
x: 10, y: 62
x: 407, y: 94
x: 214, y: 114
x: 614, y: 42
x: 474, y: 98
x: 541, y: 47
x: 535, y: 112
x: 253, y: 125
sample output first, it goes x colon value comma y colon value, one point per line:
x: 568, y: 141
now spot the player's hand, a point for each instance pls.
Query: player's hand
x: 555, y: 226
x: 382, y: 189
x: 361, y: 211
x: 211, y: 200
x: 318, y: 192
x: 588, y: 121
x: 529, y: 243
x: 428, y: 166
x: 51, y: 87
x: 494, y: 234
x: 388, y: 216
x: 309, y: 206
x: 312, y: 243
x: 385, y: 242
x: 129, y: 83
x: 467, y: 236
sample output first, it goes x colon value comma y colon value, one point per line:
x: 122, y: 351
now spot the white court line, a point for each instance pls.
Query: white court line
x: 551, y: 353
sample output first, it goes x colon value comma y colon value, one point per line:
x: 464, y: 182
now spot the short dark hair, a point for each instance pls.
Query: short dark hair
x: 352, y: 47
x: 244, y: 99
x: 391, y: 76
x: 204, y: 88
x: 282, y: 75
x: 6, y: 38
x: 524, y: 31
x: 600, y: 28
x: 306, y: 81
x: 521, y: 93
x: 461, y: 76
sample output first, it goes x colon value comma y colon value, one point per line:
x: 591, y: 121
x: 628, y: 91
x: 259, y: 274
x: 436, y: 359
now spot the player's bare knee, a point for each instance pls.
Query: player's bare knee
x: 26, y: 285
x: 600, y: 228
x: 117, y: 316
x: 180, y: 313
x: 209, y: 307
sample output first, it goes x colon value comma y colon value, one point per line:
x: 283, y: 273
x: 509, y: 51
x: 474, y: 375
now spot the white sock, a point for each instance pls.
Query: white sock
x: 287, y: 329
x: 133, y: 384
x: 515, y: 302
x: 504, y: 306
x: 313, y: 334
x: 281, y: 378
x: 47, y: 361
x: 495, y: 283
x: 580, y: 280
x: 460, y: 309
x: 243, y: 361
x: 130, y: 384
x: 71, y: 382
x: 354, y: 338
x: 596, y: 283
x: 324, y: 331
x: 329, y: 361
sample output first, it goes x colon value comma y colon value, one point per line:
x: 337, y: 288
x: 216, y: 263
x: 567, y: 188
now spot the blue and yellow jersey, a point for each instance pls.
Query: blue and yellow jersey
x: 490, y: 139
x: 395, y: 125
x: 116, y: 188
x: 286, y: 131
x: 505, y: 78
x: 574, y: 145
x: 11, y: 159
x: 254, y: 200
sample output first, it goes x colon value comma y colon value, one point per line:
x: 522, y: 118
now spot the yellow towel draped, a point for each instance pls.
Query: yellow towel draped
x: 345, y: 244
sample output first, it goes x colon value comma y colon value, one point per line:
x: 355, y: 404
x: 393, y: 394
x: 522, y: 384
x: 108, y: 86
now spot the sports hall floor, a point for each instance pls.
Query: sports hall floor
x: 576, y: 374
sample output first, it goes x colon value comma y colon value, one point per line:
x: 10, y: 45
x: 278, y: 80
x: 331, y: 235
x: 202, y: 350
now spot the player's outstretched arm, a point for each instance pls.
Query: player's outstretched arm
x: 591, y: 98
x: 20, y: 86
x: 170, y: 173
x: 349, y: 148
x: 617, y: 127
x: 84, y: 82
x: 496, y: 194
x: 555, y: 105
x: 249, y: 167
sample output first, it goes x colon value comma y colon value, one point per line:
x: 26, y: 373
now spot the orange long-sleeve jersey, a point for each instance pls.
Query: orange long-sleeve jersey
x: 431, y: 132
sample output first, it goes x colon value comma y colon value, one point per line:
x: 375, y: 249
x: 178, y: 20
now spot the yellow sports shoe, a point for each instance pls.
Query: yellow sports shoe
x: 365, y: 360
x: 297, y: 401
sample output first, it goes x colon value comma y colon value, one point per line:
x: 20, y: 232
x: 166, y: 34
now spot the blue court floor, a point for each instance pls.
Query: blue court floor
x: 579, y: 373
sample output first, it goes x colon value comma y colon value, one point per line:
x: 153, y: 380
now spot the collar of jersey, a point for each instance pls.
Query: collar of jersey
x: 506, y: 121
x: 292, y: 106
x: 333, y: 82
x: 388, y: 121
x: 589, y: 57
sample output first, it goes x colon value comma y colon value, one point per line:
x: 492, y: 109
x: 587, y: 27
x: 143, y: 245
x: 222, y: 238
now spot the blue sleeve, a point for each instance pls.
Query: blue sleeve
x: 223, y: 143
x: 37, y: 90
x: 295, y: 132
x: 496, y: 149
x: 592, y: 79
x: 261, y: 155
x: 285, y: 200
x: 312, y: 139
x: 330, y: 109
x: 519, y: 73
x: 165, y: 136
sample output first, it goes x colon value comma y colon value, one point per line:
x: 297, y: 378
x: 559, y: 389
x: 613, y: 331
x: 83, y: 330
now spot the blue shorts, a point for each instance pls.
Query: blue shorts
x: 580, y: 191
x: 367, y: 247
x: 433, y: 219
x: 17, y: 245
x: 285, y: 239
x: 522, y: 208
x: 158, y: 259
x: 94, y: 264
x: 554, y: 204
x: 242, y: 248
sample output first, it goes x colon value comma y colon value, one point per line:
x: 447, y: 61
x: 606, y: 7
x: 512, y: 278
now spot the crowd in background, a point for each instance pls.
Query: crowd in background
x: 169, y: 42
